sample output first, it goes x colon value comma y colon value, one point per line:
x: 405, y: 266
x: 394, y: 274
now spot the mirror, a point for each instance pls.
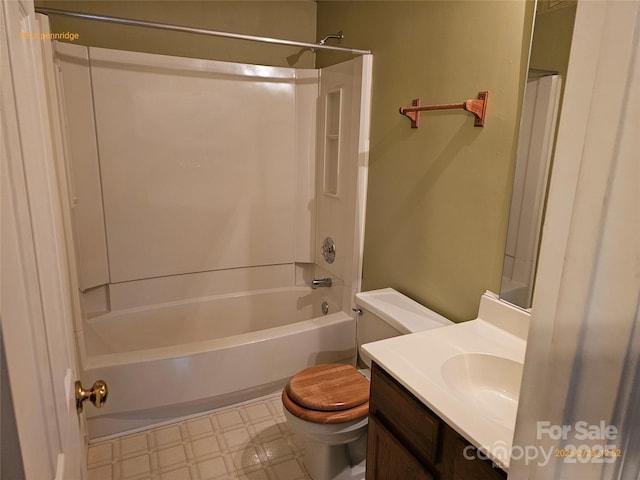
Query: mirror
x: 548, y: 62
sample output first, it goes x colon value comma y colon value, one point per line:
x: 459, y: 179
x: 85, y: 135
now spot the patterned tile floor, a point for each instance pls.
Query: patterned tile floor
x: 246, y: 441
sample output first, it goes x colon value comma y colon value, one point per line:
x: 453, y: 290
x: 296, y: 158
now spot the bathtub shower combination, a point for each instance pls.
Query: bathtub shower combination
x: 200, y: 196
x: 183, y: 357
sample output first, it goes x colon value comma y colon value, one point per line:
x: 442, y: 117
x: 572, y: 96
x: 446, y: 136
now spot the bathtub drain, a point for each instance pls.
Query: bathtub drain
x: 325, y: 308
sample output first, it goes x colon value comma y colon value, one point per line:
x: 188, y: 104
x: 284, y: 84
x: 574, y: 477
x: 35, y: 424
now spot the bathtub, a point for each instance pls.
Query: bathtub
x: 172, y: 360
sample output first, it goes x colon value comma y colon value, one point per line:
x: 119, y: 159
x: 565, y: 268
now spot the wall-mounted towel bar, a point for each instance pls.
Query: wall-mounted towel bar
x: 478, y: 107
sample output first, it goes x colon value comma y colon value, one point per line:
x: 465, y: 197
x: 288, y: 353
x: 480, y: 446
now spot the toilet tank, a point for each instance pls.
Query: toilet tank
x: 386, y: 313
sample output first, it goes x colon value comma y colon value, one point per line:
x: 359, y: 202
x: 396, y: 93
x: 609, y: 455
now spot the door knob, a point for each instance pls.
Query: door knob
x: 97, y: 394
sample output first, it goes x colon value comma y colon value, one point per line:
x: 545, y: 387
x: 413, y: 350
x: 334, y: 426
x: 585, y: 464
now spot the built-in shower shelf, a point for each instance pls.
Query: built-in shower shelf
x: 476, y: 106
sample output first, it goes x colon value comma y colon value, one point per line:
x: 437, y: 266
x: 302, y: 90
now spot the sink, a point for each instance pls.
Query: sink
x: 491, y: 384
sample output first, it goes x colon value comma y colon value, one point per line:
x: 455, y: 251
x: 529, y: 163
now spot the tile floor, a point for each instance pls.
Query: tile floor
x: 246, y: 441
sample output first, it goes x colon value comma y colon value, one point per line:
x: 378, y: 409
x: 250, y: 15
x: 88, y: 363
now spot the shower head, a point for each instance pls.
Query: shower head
x: 339, y: 36
x: 293, y: 59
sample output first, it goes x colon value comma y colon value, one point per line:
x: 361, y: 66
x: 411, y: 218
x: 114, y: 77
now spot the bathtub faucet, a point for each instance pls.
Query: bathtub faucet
x: 320, y: 282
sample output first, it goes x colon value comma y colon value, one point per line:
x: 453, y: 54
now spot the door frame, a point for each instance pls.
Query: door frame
x: 36, y: 302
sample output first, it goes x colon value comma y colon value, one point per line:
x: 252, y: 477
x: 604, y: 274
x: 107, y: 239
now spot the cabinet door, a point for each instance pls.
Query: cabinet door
x: 387, y: 459
x: 466, y: 467
x: 408, y: 419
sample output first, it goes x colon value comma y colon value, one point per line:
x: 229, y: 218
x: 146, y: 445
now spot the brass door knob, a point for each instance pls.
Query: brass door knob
x: 97, y: 394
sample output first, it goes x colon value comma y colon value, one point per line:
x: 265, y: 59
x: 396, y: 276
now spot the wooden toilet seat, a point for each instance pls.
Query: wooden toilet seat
x: 330, y: 393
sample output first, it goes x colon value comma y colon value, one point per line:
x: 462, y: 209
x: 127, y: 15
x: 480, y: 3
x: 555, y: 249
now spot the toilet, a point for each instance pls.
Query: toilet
x: 328, y: 405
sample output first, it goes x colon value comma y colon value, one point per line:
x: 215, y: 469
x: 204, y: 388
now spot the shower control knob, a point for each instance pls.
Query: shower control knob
x: 328, y: 250
x: 97, y: 394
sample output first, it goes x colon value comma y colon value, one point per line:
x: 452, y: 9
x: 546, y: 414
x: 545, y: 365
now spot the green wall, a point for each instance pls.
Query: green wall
x: 438, y: 198
x: 292, y: 19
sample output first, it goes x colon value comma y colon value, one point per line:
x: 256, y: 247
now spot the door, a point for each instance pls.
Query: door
x: 388, y: 459
x: 35, y: 291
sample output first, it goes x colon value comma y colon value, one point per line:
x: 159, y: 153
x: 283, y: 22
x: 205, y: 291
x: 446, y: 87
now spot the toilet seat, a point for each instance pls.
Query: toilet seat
x: 330, y: 393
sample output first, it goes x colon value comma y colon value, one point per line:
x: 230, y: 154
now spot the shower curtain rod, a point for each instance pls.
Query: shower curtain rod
x: 199, y: 31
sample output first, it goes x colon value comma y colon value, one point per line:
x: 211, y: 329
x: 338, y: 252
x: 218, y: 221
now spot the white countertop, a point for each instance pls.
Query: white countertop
x: 417, y: 360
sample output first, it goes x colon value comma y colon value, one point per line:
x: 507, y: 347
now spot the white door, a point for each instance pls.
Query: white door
x: 35, y: 293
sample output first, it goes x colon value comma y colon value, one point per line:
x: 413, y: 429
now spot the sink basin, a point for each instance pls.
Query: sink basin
x: 490, y: 383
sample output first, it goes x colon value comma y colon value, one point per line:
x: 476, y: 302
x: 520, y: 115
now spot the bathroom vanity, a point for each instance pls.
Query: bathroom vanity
x: 438, y: 395
x: 407, y: 440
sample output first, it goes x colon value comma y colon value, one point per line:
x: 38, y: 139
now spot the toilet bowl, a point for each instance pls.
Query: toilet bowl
x: 327, y: 405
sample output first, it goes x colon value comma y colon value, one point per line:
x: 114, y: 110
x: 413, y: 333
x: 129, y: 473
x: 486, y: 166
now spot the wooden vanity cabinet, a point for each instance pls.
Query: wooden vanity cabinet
x: 407, y: 441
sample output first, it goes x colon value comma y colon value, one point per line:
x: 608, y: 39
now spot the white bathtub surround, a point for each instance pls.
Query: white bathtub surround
x: 198, y: 202
x: 182, y: 168
x: 195, y: 157
x: 469, y: 373
x: 345, y: 101
x: 249, y: 440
